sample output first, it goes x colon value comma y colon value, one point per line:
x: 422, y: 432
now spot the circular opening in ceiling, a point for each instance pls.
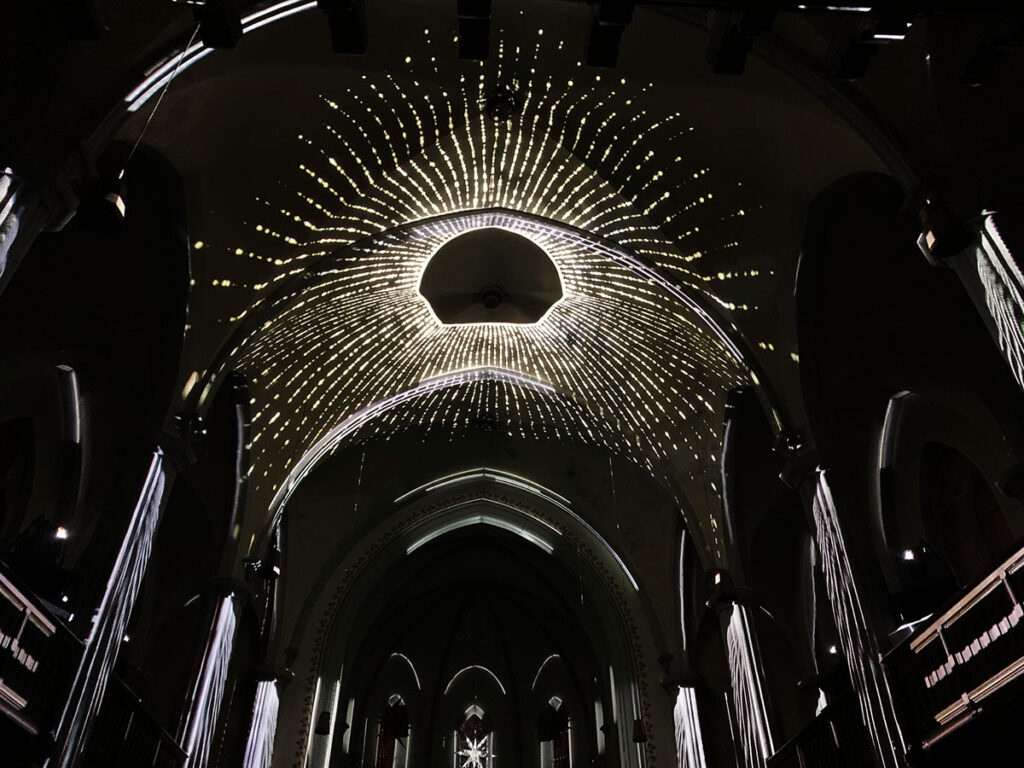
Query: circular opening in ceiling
x: 490, y: 275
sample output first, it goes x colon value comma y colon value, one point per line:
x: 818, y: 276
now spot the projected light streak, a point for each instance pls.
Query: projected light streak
x: 689, y: 739
x: 858, y: 643
x: 1003, y: 283
x: 747, y: 676
x: 259, y: 746
x: 208, y: 691
x: 110, y: 621
x: 491, y: 475
x: 470, y: 668
x: 486, y: 373
x: 479, y: 518
x: 527, y: 485
x: 412, y: 668
x: 163, y: 73
x: 368, y: 414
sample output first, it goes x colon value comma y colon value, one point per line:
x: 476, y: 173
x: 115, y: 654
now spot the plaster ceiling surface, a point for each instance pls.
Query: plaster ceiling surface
x: 319, y: 192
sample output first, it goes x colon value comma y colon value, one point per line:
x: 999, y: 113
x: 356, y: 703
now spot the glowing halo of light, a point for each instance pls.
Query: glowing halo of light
x: 520, y: 222
x: 558, y: 272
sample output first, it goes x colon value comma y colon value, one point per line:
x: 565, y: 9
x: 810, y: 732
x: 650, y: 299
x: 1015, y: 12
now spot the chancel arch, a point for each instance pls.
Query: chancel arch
x: 513, y: 582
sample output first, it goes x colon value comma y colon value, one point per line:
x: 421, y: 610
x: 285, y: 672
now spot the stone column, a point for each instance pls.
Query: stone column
x: 857, y: 638
x: 200, y: 724
x: 689, y: 739
x: 993, y: 279
x: 259, y: 747
x: 111, y: 618
x: 753, y: 732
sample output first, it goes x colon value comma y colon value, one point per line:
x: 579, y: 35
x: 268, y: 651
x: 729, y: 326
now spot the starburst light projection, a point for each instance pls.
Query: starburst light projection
x: 476, y: 753
x: 324, y: 312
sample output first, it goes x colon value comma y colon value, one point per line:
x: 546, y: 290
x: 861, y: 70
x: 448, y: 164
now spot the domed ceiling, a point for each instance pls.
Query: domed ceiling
x: 307, y: 260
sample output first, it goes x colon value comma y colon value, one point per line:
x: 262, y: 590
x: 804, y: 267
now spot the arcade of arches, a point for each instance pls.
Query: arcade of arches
x: 537, y: 383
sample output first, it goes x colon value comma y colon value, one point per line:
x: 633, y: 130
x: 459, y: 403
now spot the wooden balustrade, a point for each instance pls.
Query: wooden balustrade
x: 38, y: 657
x: 942, y: 673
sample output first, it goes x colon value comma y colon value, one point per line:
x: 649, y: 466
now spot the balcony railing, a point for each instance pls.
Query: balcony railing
x: 944, y: 671
x: 836, y: 738
x: 38, y: 657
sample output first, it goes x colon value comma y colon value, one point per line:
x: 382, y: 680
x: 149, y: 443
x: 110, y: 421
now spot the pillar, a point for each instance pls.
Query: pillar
x: 689, y: 739
x: 857, y: 638
x: 753, y: 732
x: 199, y: 728
x: 111, y: 618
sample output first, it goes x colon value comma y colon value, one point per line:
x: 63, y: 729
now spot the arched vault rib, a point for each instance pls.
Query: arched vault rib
x: 297, y: 287
x: 625, y: 365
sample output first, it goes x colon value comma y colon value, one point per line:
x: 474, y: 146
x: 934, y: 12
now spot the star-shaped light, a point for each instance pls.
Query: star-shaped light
x: 475, y: 752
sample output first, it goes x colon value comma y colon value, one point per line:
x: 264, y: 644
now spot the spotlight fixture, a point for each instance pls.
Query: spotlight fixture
x: 610, y: 19
x: 347, y: 20
x: 220, y: 23
x: 474, y: 29
x: 942, y: 235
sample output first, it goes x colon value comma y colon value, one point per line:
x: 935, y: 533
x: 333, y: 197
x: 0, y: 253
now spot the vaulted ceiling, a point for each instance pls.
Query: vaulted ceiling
x: 319, y: 187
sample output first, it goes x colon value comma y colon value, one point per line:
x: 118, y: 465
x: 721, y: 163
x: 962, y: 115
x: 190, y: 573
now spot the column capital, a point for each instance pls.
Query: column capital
x: 178, y: 452
x: 803, y: 466
x: 281, y: 675
x: 228, y: 586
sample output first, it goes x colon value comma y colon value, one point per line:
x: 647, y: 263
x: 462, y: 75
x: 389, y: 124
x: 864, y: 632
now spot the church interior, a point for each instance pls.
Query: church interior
x: 493, y: 383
